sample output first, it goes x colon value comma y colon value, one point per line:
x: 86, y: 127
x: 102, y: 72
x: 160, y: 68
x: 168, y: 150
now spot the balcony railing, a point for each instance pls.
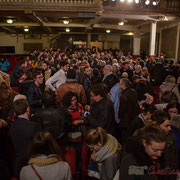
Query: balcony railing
x: 173, y: 5
x: 48, y: 2
x: 164, y: 5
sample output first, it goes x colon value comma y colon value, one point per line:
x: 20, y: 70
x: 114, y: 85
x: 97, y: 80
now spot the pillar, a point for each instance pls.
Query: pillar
x: 177, y: 43
x: 152, y: 39
x: 89, y: 40
x: 136, y: 44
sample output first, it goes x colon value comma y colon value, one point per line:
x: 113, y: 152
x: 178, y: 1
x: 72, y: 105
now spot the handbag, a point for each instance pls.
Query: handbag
x: 37, y: 174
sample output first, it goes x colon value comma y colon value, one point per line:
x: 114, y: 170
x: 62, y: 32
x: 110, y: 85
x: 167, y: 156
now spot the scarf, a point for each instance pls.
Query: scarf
x: 110, y: 148
x: 44, y: 160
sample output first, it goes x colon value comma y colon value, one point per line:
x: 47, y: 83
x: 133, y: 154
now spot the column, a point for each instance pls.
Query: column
x: 136, y: 44
x: 152, y: 39
x: 89, y: 40
x: 160, y: 40
x: 177, y: 43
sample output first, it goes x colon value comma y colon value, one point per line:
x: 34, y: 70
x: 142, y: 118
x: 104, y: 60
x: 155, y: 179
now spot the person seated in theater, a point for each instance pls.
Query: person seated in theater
x: 71, y: 85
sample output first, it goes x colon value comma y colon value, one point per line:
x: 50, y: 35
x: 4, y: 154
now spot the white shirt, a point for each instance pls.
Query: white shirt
x: 58, y: 78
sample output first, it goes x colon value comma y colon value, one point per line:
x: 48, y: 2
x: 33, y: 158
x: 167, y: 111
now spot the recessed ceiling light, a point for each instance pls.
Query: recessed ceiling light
x: 26, y: 29
x: 108, y: 31
x: 66, y: 22
x: 9, y: 21
x: 147, y: 2
x: 121, y: 23
x: 67, y: 30
x: 137, y: 1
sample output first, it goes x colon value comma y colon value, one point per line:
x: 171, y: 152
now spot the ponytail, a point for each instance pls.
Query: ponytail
x: 96, y: 135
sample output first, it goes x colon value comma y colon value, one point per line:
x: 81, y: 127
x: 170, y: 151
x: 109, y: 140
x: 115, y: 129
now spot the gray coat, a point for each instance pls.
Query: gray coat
x: 56, y: 171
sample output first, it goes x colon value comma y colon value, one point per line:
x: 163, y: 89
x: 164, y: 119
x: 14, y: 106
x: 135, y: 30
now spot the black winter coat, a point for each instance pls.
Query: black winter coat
x: 34, y: 97
x: 55, y: 120
x: 129, y: 107
x: 102, y: 114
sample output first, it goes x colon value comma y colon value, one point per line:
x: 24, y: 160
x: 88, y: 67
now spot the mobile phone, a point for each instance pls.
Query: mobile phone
x: 85, y: 112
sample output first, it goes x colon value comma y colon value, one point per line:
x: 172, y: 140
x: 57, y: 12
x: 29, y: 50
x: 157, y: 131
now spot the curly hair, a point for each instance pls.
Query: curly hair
x: 66, y: 99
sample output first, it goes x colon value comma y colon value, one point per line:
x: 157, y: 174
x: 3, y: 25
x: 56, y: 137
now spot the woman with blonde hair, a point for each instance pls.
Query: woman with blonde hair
x: 105, y: 152
x: 45, y: 162
x: 169, y: 90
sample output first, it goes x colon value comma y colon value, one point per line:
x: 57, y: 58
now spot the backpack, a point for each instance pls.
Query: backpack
x: 168, y: 96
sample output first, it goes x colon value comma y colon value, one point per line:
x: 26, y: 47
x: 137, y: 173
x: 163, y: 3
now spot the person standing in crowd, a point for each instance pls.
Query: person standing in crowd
x: 53, y: 118
x: 163, y: 120
x: 143, y: 154
x: 129, y: 107
x: 126, y: 69
x: 141, y: 119
x: 101, y: 111
x: 158, y: 73
x: 22, y: 132
x: 34, y: 94
x: 59, y: 77
x: 45, y: 160
x: 4, y: 64
x: 71, y: 85
x: 17, y: 73
x: 105, y: 152
x: 169, y: 90
x: 46, y: 72
x: 86, y: 81
x: 109, y: 79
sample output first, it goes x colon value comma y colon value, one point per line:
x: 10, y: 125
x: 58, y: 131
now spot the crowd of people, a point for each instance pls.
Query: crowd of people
x: 119, y: 114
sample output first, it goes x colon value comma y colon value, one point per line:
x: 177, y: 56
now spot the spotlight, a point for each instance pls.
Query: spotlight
x: 66, y: 22
x: 121, y: 23
x: 26, y: 29
x: 155, y: 2
x: 122, y: 0
x: 67, y: 30
x: 137, y: 1
x: 108, y: 31
x: 130, y: 1
x: 147, y: 2
x: 9, y: 21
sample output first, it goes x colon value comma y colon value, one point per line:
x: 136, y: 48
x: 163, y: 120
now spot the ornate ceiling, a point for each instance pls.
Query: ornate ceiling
x: 85, y: 16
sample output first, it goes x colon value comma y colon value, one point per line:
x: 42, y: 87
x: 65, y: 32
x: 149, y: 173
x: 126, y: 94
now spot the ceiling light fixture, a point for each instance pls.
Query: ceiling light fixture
x: 26, y: 29
x: 67, y: 30
x: 9, y: 21
x: 121, y: 23
x: 66, y: 22
x: 130, y: 1
x: 137, y: 1
x: 122, y: 0
x: 108, y: 31
x: 155, y: 2
x: 147, y: 2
